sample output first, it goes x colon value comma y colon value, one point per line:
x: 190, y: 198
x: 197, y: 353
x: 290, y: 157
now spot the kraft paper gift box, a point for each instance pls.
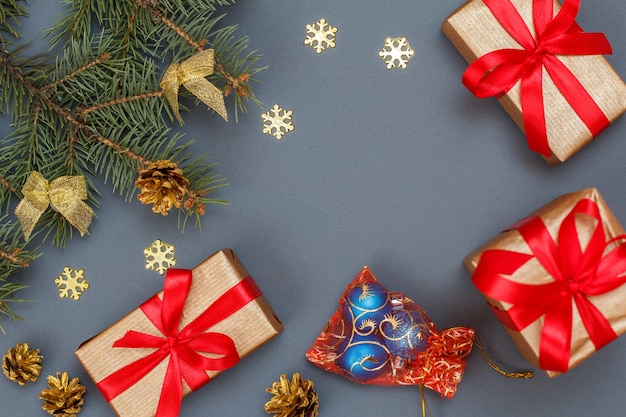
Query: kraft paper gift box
x: 555, y: 275
x: 222, y: 295
x: 475, y: 31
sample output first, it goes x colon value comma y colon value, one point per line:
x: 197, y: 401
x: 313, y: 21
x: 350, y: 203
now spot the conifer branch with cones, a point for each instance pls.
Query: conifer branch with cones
x: 96, y: 108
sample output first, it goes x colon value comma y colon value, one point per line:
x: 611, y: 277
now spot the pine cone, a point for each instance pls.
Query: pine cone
x: 22, y: 364
x: 293, y: 399
x: 64, y: 398
x: 163, y: 185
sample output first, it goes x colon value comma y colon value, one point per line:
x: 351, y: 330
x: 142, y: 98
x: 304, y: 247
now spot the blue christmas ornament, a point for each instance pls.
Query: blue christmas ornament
x: 364, y: 359
x: 382, y: 337
x: 405, y: 333
x: 368, y: 297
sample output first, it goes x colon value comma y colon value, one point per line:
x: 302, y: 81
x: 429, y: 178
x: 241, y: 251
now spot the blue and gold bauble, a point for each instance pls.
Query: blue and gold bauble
x: 405, y: 333
x: 365, y: 358
x: 380, y: 337
x: 368, y: 297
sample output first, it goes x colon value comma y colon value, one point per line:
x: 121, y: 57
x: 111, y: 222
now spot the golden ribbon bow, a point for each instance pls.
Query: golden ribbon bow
x: 64, y: 194
x: 191, y: 73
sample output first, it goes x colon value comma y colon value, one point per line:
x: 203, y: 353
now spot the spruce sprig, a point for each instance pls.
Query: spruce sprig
x: 10, y: 12
x: 94, y: 106
x: 13, y: 258
x: 169, y: 31
x: 99, y: 110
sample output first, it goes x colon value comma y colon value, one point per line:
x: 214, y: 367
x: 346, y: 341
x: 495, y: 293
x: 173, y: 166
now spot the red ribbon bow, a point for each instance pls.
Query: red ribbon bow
x: 495, y: 73
x: 578, y: 274
x: 181, y: 346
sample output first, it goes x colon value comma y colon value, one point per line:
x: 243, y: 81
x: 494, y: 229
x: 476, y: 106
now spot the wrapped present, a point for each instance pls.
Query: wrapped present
x: 556, y: 280
x: 202, y: 323
x: 381, y: 337
x: 547, y: 73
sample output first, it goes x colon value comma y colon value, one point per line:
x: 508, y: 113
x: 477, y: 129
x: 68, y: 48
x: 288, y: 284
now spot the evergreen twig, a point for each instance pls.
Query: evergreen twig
x: 13, y: 258
x: 95, y: 108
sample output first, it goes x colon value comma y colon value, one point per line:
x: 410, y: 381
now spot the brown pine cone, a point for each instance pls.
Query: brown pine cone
x: 293, y: 399
x: 22, y: 364
x: 64, y: 398
x: 163, y: 185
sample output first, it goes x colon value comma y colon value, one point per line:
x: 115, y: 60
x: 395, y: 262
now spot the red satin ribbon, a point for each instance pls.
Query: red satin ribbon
x: 495, y: 73
x: 181, y: 346
x: 578, y: 274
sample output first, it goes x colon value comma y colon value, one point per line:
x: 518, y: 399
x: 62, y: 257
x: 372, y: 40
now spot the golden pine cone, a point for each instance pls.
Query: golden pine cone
x: 163, y: 185
x: 22, y: 364
x: 64, y: 398
x: 293, y: 399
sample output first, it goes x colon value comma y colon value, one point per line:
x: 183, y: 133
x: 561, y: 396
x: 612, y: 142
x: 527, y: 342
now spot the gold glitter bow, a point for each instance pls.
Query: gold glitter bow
x: 191, y: 73
x: 64, y: 194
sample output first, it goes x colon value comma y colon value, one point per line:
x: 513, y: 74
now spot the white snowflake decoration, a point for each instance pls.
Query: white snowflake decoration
x: 319, y: 37
x: 396, y: 53
x: 159, y: 256
x: 277, y: 122
x: 71, y: 283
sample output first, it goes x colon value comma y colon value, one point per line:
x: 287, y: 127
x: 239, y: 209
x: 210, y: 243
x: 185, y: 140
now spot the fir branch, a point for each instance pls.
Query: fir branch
x: 7, y: 298
x: 200, y: 175
x: 7, y: 184
x: 12, y: 258
x: 121, y: 100
x: 102, y: 58
x: 198, y: 46
x: 11, y: 11
x: 236, y: 69
x: 99, y: 110
x: 117, y: 135
x: 75, y: 23
x: 14, y: 66
x: 163, y: 28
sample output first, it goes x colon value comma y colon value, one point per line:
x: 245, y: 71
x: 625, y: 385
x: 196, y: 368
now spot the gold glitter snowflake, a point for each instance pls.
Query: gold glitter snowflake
x: 396, y: 53
x: 71, y: 283
x: 159, y: 256
x: 277, y: 122
x: 319, y: 36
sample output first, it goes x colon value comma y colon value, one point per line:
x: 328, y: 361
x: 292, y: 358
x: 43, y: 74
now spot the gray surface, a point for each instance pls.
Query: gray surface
x: 401, y: 170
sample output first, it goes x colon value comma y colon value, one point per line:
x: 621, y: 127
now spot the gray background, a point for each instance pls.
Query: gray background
x: 401, y: 170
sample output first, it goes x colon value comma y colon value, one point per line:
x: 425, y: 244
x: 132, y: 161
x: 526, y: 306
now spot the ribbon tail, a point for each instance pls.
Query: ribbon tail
x: 598, y: 327
x: 28, y: 215
x: 170, y: 85
x: 171, y: 397
x: 78, y: 214
x: 556, y: 338
x: 208, y: 94
x: 34, y: 203
x: 119, y: 381
x: 533, y: 111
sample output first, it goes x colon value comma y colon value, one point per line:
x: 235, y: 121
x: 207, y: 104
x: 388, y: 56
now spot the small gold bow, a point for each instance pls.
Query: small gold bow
x: 64, y: 194
x: 191, y: 73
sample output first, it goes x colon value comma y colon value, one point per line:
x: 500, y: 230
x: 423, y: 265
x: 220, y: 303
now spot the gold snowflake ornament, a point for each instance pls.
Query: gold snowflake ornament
x: 396, y: 53
x: 159, y: 256
x: 71, y: 283
x: 277, y: 122
x: 320, y: 36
